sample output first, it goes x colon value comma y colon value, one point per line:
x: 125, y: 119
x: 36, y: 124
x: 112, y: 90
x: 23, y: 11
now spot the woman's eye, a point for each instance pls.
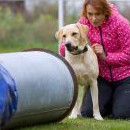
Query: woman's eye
x: 98, y: 14
x: 90, y: 14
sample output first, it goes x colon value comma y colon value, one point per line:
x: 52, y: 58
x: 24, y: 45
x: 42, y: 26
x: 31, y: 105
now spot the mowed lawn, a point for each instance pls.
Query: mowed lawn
x: 18, y: 47
x: 84, y: 124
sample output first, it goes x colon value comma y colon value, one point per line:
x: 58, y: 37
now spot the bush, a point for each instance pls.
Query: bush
x: 15, y: 30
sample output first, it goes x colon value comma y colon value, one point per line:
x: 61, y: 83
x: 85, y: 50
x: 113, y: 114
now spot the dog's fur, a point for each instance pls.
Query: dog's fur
x: 84, y: 62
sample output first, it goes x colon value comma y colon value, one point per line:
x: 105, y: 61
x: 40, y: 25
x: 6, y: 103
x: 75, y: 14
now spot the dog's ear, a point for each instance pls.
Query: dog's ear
x: 83, y: 31
x: 58, y: 34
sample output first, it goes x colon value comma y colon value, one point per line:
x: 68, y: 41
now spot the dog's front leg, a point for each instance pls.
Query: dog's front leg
x: 76, y: 110
x: 94, y: 94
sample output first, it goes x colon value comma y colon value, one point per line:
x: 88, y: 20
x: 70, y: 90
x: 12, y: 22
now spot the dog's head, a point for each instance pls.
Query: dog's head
x: 74, y: 37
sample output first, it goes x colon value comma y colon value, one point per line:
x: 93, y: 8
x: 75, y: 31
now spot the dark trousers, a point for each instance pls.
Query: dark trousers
x: 114, y: 99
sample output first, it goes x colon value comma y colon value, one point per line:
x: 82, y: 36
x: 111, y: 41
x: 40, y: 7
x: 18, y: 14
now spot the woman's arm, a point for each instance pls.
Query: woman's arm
x: 62, y: 49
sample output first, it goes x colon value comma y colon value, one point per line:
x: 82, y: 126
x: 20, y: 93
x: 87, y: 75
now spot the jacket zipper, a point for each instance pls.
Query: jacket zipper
x: 110, y: 68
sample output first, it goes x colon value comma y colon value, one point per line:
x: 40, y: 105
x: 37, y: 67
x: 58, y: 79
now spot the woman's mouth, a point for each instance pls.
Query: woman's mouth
x: 95, y: 23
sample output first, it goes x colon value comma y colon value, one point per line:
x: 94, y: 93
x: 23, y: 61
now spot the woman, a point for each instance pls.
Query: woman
x: 109, y: 34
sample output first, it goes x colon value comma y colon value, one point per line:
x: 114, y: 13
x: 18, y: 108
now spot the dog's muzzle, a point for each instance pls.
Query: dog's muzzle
x: 71, y: 48
x: 74, y: 49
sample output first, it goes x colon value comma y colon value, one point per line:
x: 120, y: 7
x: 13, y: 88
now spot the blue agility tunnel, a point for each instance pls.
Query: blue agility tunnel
x: 37, y: 86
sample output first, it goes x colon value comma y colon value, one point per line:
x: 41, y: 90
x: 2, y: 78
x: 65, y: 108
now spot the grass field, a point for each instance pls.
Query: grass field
x: 67, y: 124
x: 5, y: 48
x: 84, y: 124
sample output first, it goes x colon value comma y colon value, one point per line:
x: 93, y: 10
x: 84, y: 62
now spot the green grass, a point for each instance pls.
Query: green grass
x: 84, y: 124
x: 5, y: 48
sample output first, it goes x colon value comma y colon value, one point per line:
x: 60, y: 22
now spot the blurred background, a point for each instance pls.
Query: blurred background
x: 32, y: 23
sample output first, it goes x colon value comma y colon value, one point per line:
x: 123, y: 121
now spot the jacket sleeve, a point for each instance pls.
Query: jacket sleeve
x: 62, y: 49
x: 123, y: 57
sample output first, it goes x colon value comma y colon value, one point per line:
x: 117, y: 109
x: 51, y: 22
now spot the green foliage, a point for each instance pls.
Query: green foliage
x: 49, y: 8
x: 16, y: 32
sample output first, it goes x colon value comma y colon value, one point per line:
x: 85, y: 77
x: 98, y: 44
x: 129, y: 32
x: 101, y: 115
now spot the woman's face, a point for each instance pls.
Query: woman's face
x: 95, y: 17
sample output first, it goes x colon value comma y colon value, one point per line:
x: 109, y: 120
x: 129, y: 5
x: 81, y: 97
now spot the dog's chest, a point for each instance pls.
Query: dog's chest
x: 84, y: 66
x: 82, y: 73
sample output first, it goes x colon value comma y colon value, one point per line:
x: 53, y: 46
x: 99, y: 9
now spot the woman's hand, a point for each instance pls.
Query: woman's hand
x: 98, y: 49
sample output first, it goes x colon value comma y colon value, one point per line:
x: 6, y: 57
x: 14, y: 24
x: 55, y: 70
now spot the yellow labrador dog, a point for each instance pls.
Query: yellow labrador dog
x: 84, y: 62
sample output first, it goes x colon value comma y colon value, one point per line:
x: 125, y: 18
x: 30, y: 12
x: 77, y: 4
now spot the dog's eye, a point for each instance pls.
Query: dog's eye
x: 74, y: 33
x: 64, y: 36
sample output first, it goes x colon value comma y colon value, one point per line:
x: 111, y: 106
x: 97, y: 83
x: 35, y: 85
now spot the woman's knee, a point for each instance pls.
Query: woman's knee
x: 121, y: 98
x: 121, y: 113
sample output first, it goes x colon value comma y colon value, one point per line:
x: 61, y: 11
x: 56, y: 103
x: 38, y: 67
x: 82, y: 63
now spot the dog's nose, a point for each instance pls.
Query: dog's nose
x: 68, y: 44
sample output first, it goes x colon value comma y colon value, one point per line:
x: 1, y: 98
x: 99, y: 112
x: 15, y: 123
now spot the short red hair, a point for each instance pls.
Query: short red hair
x: 100, y: 5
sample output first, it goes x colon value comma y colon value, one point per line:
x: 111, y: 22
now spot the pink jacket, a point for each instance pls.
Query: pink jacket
x: 116, y: 40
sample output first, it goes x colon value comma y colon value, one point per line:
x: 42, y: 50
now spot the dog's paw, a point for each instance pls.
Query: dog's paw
x: 98, y: 117
x: 73, y: 116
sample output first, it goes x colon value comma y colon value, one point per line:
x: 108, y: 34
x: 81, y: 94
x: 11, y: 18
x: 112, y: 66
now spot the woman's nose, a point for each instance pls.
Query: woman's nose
x: 93, y: 18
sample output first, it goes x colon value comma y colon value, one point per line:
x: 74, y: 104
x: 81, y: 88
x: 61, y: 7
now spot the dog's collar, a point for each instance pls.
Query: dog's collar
x: 80, y: 51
